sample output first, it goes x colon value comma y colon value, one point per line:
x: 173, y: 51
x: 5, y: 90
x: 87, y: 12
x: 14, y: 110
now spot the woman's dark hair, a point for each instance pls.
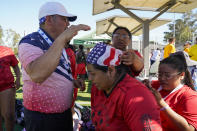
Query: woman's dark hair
x: 177, y: 62
x: 122, y: 28
x: 171, y: 39
x: 81, y: 47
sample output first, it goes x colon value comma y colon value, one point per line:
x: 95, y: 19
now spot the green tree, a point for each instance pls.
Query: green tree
x: 184, y: 28
x: 1, y: 35
x: 12, y: 37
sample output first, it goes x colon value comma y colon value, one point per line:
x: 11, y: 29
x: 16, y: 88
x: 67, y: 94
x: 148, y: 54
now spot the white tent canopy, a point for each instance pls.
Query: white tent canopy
x: 109, y: 24
x: 181, y: 6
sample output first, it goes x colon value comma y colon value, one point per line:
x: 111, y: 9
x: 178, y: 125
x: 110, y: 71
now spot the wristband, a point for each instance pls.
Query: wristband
x: 164, y: 108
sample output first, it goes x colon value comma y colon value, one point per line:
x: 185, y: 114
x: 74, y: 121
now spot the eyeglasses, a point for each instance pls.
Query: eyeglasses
x: 121, y: 35
x: 168, y: 76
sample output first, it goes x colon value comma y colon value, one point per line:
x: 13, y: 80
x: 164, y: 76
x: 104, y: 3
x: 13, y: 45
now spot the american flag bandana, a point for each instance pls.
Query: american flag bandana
x: 104, y: 55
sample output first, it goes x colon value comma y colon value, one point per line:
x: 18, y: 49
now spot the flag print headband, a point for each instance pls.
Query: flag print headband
x: 104, y: 55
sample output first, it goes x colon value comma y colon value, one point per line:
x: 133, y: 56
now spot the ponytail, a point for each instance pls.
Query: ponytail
x: 188, y: 79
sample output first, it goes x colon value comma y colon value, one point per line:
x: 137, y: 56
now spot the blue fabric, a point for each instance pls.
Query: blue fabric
x: 42, y: 20
x: 96, y: 53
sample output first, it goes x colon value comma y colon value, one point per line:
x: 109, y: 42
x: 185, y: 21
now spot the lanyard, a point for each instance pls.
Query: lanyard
x: 175, y: 89
x: 64, y: 56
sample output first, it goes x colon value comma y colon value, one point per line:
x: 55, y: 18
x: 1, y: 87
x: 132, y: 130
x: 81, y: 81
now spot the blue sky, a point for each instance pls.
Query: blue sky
x: 22, y: 15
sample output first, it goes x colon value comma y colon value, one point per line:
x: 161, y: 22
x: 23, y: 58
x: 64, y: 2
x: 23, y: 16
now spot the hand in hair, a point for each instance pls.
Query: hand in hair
x: 128, y: 57
x: 156, y: 94
x: 79, y: 83
x: 160, y: 101
x: 147, y: 83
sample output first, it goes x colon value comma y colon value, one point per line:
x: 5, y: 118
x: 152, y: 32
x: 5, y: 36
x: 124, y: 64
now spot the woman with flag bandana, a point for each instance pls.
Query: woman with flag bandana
x: 118, y: 101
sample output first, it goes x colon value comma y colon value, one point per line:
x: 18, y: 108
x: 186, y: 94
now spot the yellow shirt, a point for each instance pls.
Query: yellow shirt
x: 170, y: 48
x: 186, y: 50
x: 193, y: 52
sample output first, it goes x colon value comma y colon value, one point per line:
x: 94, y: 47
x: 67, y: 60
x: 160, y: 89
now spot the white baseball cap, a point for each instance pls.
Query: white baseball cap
x: 55, y: 8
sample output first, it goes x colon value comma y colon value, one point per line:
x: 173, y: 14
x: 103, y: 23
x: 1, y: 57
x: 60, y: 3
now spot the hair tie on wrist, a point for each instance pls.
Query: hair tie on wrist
x: 164, y: 108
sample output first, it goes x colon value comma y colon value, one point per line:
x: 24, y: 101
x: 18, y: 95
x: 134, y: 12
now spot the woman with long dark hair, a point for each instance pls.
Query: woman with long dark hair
x: 175, y: 94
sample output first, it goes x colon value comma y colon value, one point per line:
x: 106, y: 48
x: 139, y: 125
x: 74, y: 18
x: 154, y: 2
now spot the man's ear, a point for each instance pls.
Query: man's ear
x: 111, y: 71
x: 182, y: 75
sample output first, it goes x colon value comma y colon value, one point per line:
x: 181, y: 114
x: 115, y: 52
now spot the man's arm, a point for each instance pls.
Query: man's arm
x: 17, y: 73
x: 41, y: 68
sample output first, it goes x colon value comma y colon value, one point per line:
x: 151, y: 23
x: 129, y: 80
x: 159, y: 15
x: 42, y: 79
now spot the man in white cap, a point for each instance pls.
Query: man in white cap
x: 48, y: 82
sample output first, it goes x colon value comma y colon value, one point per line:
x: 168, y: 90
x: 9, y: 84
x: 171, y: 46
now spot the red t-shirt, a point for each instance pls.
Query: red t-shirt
x: 183, y: 102
x: 7, y: 59
x: 71, y: 55
x: 130, y: 106
x: 81, y: 69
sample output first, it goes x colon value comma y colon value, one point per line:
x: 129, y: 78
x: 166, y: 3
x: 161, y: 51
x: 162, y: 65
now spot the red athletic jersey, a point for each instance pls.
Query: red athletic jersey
x: 81, y: 69
x: 183, y: 102
x: 7, y: 59
x: 71, y: 55
x: 72, y: 58
x: 130, y: 106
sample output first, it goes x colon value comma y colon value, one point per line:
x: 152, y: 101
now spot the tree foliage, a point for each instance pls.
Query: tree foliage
x: 184, y: 28
x: 12, y: 37
x: 1, y: 35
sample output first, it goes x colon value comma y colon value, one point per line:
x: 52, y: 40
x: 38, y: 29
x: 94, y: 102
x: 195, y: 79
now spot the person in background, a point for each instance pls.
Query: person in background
x: 71, y: 54
x: 169, y: 48
x: 161, y: 54
x: 193, y: 51
x: 193, y: 56
x: 47, y: 75
x: 175, y: 94
x: 81, y: 63
x: 187, y: 46
x: 118, y: 101
x: 8, y: 87
x: 155, y: 56
x: 121, y: 38
x: 87, y: 51
x: 72, y: 58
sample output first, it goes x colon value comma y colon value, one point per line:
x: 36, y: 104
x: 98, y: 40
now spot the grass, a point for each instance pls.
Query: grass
x: 83, y: 97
